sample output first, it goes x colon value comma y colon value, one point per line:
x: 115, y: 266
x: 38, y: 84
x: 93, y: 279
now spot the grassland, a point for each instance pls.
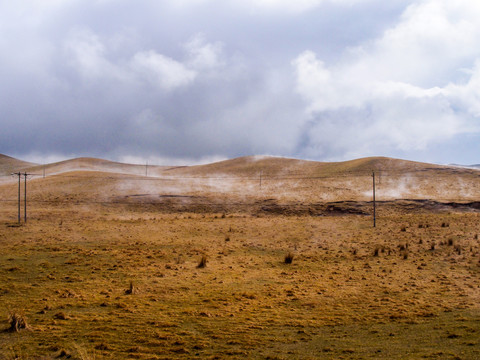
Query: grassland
x: 100, y: 278
x: 69, y: 275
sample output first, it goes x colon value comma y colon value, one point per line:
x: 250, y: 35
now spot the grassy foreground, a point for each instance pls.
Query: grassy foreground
x: 95, y: 283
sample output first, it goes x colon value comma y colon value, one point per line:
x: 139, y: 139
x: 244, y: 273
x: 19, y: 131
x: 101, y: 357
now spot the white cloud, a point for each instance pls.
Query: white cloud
x: 169, y: 161
x: 298, y: 6
x: 467, y: 95
x: 268, y: 6
x: 87, y: 54
x: 327, y: 88
x: 406, y: 89
x: 433, y: 38
x: 161, y: 70
x: 203, y: 55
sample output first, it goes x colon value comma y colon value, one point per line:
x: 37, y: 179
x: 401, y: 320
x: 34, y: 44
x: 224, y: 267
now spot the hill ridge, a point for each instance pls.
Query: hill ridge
x: 245, y: 166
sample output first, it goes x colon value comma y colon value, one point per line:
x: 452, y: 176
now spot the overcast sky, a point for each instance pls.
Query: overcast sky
x: 185, y: 81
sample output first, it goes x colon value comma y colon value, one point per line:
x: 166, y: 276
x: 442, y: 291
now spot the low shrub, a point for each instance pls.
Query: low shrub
x: 17, y: 322
x: 202, y: 263
x: 289, y: 258
x: 131, y: 289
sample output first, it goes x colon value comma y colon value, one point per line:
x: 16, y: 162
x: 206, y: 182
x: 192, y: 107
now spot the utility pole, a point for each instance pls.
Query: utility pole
x: 19, y: 176
x: 374, y: 204
x: 25, y: 198
x: 25, y: 174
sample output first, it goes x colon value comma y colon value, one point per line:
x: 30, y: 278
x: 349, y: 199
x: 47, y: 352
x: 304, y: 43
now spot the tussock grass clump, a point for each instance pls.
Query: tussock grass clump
x: 60, y: 316
x: 102, y: 346
x: 458, y: 249
x: 288, y: 258
x: 202, y: 263
x: 17, y: 322
x: 64, y: 354
x: 131, y: 289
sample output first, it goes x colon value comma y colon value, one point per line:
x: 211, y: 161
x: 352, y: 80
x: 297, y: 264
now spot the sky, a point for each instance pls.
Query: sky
x: 194, y: 81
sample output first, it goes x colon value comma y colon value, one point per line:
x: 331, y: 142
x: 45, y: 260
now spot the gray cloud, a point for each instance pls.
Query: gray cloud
x: 195, y: 79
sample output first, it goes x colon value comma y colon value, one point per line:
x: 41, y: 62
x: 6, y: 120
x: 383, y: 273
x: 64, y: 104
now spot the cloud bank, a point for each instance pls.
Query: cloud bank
x: 206, y: 79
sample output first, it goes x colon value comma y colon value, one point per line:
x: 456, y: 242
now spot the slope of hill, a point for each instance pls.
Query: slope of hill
x: 9, y: 165
x: 92, y: 164
x: 249, y: 180
x: 244, y: 167
x: 276, y: 167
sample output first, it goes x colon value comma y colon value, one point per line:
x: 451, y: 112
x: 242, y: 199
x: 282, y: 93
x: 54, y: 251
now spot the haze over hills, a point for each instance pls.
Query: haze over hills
x: 474, y: 166
x: 244, y: 180
x: 247, y: 166
x: 77, y: 164
x: 9, y: 165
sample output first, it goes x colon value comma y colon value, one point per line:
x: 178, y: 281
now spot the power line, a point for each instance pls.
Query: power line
x: 256, y: 179
x: 419, y: 173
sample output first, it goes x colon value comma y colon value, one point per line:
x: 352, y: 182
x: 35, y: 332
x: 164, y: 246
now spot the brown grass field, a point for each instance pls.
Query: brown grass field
x: 193, y: 262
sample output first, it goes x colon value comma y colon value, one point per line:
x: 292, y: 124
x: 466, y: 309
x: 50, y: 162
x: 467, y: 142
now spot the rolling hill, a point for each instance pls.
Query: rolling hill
x: 248, y: 166
x: 9, y: 165
x: 92, y: 164
x: 244, y: 181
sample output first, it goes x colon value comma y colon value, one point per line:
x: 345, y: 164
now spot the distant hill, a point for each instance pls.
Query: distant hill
x: 253, y: 166
x: 9, y: 165
x: 250, y: 177
x: 93, y: 164
x: 245, y: 167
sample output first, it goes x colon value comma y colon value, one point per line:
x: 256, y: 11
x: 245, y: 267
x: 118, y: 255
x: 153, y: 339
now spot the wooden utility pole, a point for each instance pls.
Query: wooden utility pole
x: 25, y: 174
x: 374, y: 204
x: 19, y: 176
x: 25, y: 198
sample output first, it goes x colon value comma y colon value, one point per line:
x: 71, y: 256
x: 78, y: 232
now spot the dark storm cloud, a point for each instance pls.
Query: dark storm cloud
x: 213, y: 79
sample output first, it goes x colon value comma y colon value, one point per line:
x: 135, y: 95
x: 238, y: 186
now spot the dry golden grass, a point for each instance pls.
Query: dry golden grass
x: 107, y: 267
x: 69, y: 275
